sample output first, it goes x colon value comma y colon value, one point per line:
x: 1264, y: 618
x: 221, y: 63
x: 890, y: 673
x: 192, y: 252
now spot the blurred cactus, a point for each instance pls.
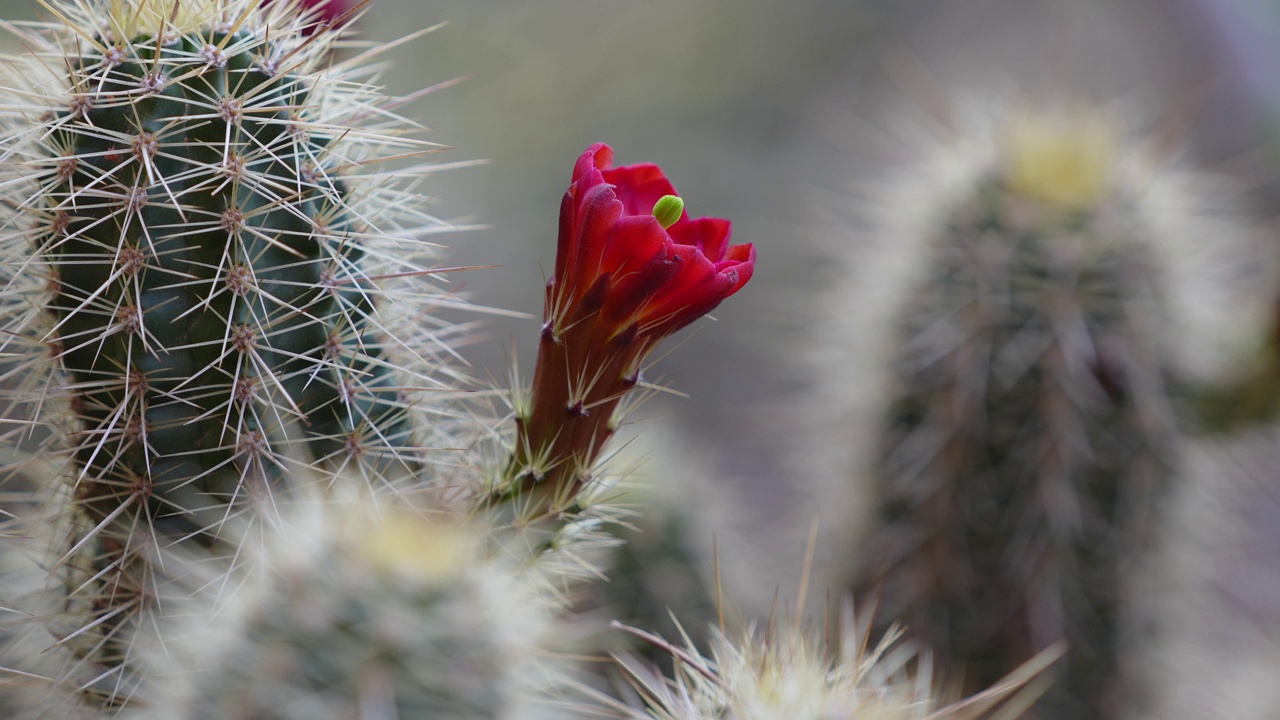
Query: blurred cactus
x: 1251, y: 399
x: 198, y: 236
x: 1032, y: 315
x: 656, y: 572
x: 788, y: 671
x: 663, y: 566
x: 42, y: 676
x: 1217, y: 587
x: 359, y: 611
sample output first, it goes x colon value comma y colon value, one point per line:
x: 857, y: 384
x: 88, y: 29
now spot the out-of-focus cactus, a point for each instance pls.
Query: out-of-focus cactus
x: 352, y: 610
x: 1217, y: 586
x: 666, y: 562
x: 790, y: 671
x: 1038, y: 287
x: 198, y: 232
x: 658, y: 571
x: 1250, y: 400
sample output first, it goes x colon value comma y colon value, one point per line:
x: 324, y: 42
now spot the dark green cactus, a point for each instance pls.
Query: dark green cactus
x: 210, y: 300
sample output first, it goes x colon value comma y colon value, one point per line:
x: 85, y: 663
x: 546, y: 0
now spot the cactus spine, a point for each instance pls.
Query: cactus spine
x: 195, y: 185
x: 1025, y: 435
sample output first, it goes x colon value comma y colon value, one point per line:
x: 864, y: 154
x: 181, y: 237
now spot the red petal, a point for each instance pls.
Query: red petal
x: 710, y: 235
x: 640, y: 186
x: 636, y: 240
x: 699, y: 289
x: 598, y: 212
x: 587, y: 175
x: 740, y: 259
x: 696, y: 267
x: 596, y: 158
x: 633, y: 294
x: 567, y: 236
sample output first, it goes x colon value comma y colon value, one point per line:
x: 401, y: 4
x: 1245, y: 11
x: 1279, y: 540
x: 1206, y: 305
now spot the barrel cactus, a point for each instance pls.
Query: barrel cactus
x: 1041, y: 286
x: 200, y: 227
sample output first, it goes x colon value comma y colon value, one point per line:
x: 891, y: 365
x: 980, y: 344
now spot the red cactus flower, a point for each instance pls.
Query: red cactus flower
x: 631, y: 268
x: 658, y: 273
x: 335, y: 13
x: 331, y: 11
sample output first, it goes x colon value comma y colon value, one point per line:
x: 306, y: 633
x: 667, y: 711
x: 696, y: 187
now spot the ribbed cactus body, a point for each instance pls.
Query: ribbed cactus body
x: 1027, y: 427
x: 1029, y: 430
x: 210, y: 301
x: 198, y: 192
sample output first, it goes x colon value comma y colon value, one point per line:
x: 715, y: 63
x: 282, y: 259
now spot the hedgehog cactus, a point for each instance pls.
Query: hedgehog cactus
x: 1025, y: 438
x: 194, y: 184
x: 353, y: 607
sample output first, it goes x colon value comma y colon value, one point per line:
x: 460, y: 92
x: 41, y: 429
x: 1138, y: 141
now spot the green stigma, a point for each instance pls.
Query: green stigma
x: 668, y: 210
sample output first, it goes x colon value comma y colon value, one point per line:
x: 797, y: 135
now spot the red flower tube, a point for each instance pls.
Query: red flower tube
x: 631, y: 268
